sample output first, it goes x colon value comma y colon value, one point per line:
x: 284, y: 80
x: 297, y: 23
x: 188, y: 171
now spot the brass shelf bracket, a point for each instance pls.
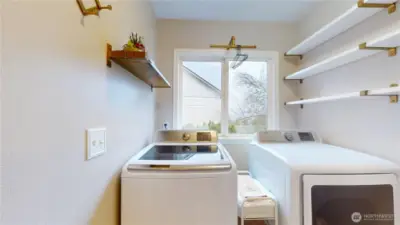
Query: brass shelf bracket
x: 87, y: 11
x: 391, y: 7
x: 109, y: 52
x: 289, y: 55
x: 392, y: 51
x: 232, y: 45
x: 100, y: 7
x: 364, y: 93
x: 393, y: 98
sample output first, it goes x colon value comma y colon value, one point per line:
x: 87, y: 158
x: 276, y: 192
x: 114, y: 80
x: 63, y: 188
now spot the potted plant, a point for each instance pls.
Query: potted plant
x: 135, y: 43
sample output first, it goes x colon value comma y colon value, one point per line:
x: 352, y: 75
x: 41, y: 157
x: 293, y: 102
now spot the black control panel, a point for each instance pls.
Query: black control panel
x: 306, y: 136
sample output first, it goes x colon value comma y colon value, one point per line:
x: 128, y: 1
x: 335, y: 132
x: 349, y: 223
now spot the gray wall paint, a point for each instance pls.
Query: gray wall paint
x: 55, y: 84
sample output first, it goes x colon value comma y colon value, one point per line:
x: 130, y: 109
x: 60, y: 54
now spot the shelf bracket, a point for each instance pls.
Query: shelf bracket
x: 301, y: 105
x: 109, y: 52
x: 393, y: 98
x: 289, y: 55
x: 100, y: 7
x: 392, y: 51
x: 391, y: 7
x: 87, y: 11
x: 232, y: 45
x: 300, y: 80
x: 364, y: 93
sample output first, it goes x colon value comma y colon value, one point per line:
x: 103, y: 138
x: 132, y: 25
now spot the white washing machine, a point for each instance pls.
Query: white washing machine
x: 321, y: 184
x: 186, y: 177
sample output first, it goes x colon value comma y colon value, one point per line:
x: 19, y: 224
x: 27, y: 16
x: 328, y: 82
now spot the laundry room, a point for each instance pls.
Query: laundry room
x: 218, y: 112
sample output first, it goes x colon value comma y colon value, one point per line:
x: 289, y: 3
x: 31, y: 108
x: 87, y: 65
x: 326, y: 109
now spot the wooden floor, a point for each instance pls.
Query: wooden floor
x: 252, y: 222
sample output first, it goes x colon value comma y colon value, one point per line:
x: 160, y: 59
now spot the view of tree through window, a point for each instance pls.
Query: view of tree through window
x: 248, y: 97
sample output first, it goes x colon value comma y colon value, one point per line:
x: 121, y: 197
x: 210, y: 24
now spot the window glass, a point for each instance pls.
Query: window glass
x: 201, y: 106
x: 248, y: 97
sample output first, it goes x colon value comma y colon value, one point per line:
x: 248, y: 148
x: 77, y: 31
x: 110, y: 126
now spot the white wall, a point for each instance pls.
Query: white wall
x: 365, y: 125
x: 175, y: 34
x: 322, y: 13
x: 55, y: 84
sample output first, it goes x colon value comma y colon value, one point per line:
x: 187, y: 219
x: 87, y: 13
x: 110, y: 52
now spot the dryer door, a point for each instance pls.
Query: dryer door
x: 350, y: 199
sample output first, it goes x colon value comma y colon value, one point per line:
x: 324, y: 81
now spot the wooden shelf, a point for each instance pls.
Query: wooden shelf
x: 388, y: 40
x: 137, y: 64
x: 391, y: 92
x: 348, y: 19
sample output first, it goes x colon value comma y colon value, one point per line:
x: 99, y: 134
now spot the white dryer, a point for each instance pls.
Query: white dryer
x: 186, y: 177
x: 321, y: 184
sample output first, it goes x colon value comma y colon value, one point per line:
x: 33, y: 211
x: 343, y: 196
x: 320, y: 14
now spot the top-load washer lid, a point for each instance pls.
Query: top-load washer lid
x: 183, y: 152
x: 181, y: 157
x: 304, y: 153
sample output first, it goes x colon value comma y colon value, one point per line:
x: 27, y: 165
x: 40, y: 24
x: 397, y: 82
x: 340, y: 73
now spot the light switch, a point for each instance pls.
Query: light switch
x: 96, y: 142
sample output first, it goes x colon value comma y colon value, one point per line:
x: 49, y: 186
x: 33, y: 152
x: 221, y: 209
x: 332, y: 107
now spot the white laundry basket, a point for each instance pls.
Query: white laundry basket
x: 254, y: 202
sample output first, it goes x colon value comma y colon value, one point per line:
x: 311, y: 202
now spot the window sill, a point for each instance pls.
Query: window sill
x: 235, y: 140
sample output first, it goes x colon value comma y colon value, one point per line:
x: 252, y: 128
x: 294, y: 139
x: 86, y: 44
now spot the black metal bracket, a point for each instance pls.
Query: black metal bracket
x: 301, y: 105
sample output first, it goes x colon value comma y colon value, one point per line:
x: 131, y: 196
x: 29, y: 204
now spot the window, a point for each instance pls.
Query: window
x: 248, y: 98
x: 201, y: 95
x: 210, y: 94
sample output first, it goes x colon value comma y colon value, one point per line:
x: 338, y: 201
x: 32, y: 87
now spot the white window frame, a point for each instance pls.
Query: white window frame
x: 271, y: 57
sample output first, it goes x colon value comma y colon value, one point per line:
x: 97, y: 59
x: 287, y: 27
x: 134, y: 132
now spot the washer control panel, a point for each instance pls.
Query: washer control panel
x: 187, y: 136
x: 287, y: 136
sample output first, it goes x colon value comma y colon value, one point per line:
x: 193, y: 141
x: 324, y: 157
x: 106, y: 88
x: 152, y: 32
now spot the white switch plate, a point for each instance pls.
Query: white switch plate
x: 96, y: 142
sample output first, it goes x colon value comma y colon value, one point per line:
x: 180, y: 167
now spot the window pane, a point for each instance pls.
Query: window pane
x: 248, y: 97
x: 201, y: 95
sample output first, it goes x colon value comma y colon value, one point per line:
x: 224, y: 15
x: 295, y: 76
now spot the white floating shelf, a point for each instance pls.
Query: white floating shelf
x: 389, y: 39
x: 350, y: 18
x: 392, y: 91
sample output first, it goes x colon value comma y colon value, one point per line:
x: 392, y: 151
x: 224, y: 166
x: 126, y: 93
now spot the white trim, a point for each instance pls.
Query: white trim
x: 225, y: 95
x: 273, y: 91
x: 177, y: 92
x: 271, y: 57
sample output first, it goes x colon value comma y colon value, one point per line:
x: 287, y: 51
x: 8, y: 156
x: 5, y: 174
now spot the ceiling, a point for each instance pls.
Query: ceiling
x: 234, y: 10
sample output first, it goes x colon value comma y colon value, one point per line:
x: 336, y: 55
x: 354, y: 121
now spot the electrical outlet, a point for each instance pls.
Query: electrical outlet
x: 96, y: 144
x: 165, y: 125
